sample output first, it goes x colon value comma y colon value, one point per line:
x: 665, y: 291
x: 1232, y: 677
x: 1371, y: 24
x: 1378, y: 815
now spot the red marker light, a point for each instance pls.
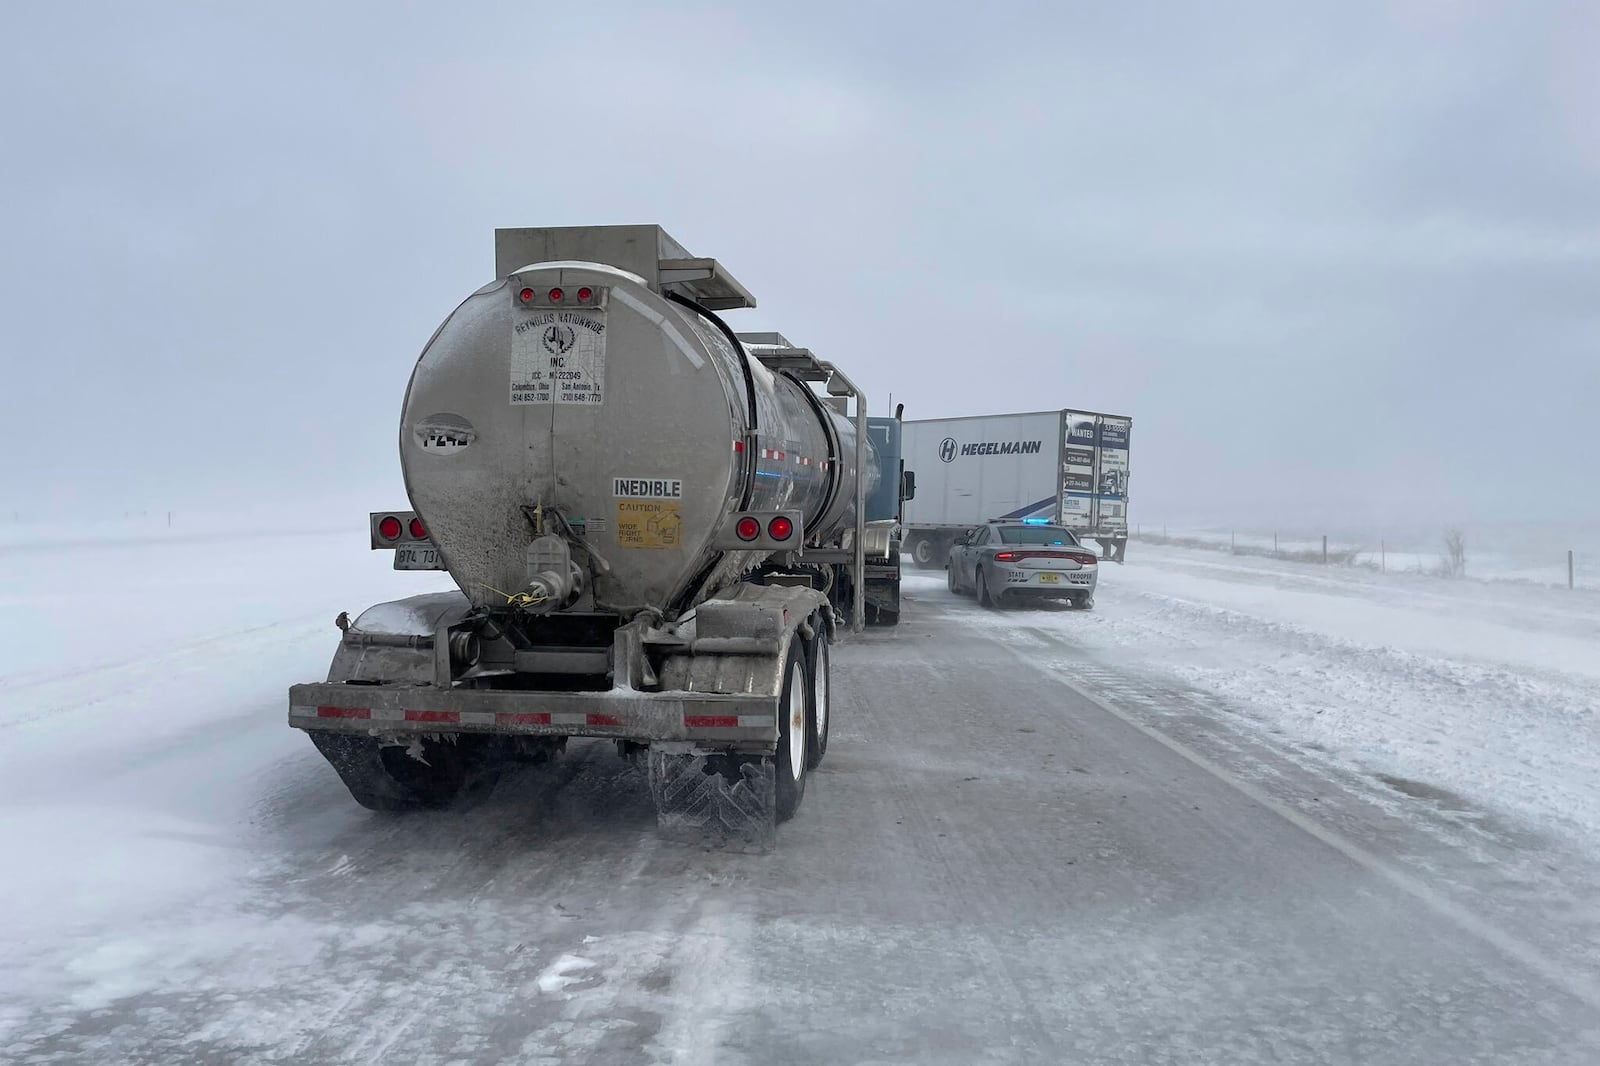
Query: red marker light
x: 555, y: 296
x: 748, y: 529
x: 526, y: 296
x: 1005, y: 556
x: 418, y: 530
x: 584, y: 295
x: 389, y: 528
x: 780, y: 528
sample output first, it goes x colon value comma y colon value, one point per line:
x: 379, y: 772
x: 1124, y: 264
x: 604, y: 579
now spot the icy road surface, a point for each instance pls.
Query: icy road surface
x: 1236, y: 815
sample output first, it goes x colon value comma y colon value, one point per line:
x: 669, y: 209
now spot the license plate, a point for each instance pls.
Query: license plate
x: 420, y: 556
x: 1049, y: 579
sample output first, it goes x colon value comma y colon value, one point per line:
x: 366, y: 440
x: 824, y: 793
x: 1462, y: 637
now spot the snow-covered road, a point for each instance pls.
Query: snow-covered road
x: 1165, y: 831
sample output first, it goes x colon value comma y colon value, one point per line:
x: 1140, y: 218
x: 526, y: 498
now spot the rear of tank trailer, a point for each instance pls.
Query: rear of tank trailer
x: 656, y: 532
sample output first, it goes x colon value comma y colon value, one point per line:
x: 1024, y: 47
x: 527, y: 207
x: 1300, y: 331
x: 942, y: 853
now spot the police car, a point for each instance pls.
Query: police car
x: 1003, y: 562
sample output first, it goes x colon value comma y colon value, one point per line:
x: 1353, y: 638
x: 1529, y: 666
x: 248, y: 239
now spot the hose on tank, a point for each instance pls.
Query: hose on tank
x: 749, y: 386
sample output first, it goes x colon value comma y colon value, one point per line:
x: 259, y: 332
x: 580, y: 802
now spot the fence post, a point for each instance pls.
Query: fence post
x: 1274, y: 542
x: 1570, y: 583
x: 1233, y: 545
x: 1383, y: 557
x: 1324, y: 549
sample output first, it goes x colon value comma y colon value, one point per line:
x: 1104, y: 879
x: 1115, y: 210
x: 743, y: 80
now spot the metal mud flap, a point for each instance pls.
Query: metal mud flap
x: 724, y: 800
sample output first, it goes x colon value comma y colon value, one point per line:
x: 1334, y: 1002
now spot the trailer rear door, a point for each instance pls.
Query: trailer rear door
x: 1094, y: 472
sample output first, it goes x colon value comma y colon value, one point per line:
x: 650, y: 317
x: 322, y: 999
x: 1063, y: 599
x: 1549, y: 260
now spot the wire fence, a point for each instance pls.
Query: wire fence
x: 1539, y: 564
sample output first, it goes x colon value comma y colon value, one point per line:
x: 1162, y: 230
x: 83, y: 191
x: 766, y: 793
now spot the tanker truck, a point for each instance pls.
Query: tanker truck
x: 656, y: 527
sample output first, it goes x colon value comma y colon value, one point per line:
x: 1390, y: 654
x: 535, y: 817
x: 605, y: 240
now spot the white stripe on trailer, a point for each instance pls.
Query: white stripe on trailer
x: 569, y: 719
x: 477, y: 718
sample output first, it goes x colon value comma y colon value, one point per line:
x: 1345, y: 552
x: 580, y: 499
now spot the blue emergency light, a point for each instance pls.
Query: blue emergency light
x: 1036, y: 521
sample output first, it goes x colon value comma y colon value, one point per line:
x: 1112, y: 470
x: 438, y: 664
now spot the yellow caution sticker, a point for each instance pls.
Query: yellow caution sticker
x: 649, y: 524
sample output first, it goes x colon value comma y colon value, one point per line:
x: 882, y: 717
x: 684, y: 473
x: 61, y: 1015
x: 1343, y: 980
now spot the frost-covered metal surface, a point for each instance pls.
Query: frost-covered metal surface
x: 413, y: 616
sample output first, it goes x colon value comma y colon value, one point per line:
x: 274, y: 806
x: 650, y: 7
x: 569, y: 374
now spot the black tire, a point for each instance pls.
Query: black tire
x: 924, y: 554
x: 385, y: 777
x: 820, y: 704
x: 982, y: 587
x: 950, y: 580
x: 793, y: 755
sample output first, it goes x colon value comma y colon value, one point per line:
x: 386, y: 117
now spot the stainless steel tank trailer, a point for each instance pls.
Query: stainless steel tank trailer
x: 656, y: 526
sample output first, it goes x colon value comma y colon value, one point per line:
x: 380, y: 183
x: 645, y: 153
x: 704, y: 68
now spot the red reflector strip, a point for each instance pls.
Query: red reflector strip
x: 507, y: 718
x: 711, y: 721
x: 601, y: 719
x: 738, y: 446
x: 453, y: 717
x: 344, y: 712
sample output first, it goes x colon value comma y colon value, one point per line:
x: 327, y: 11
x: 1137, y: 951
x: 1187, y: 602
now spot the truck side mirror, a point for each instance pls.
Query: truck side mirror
x: 908, y: 485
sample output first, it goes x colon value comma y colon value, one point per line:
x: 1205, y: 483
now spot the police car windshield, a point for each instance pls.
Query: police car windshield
x: 1037, y: 535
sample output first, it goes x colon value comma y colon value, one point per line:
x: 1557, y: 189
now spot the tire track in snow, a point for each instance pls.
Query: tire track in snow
x: 1577, y: 985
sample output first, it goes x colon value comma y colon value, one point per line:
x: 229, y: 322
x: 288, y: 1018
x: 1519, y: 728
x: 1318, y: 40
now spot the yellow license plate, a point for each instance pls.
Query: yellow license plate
x: 1049, y: 579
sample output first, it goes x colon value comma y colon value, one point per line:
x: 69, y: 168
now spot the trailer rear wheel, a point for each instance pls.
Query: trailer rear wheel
x: 821, y: 697
x: 793, y: 735
x: 924, y: 552
x: 730, y: 798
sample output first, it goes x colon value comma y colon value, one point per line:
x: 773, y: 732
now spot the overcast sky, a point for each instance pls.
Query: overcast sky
x: 1339, y: 262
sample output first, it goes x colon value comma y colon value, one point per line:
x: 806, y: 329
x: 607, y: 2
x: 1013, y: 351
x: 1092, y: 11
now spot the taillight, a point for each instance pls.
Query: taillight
x: 390, y: 528
x: 418, y: 530
x: 555, y: 296
x: 1004, y: 557
x: 1086, y: 560
x: 748, y: 529
x: 526, y: 296
x: 585, y: 294
x: 780, y: 528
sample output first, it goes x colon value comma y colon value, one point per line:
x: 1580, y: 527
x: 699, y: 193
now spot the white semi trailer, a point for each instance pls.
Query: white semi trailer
x: 656, y: 529
x: 1065, y: 467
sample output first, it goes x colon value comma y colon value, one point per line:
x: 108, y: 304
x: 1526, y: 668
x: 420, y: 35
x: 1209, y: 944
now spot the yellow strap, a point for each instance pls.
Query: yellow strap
x: 516, y: 599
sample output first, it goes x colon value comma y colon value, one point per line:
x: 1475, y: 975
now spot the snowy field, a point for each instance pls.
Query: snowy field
x: 186, y: 880
x: 1535, y: 556
x: 132, y: 651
